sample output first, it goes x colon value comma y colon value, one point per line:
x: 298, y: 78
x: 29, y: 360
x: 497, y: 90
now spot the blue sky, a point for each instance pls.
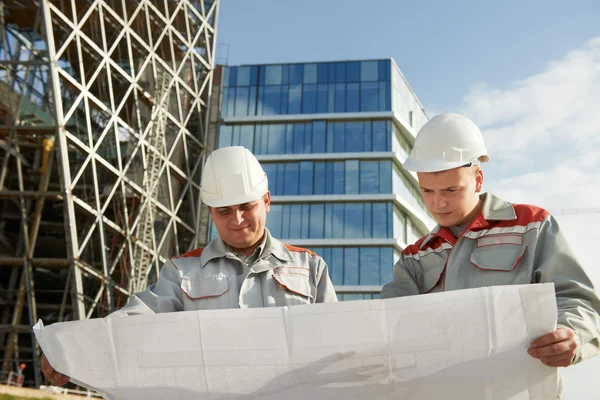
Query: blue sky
x: 442, y: 47
x: 527, y: 72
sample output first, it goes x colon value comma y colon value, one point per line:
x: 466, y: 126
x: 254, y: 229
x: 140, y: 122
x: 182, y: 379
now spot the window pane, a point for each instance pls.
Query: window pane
x: 295, y: 221
x: 380, y: 136
x: 276, y: 143
x: 306, y: 177
x: 310, y: 73
x: 284, y: 100
x: 243, y: 76
x: 261, y: 143
x: 338, y: 220
x: 309, y: 100
x: 340, y: 72
x: 384, y: 70
x: 369, y: 96
x: 352, y: 179
x: 273, y: 75
x: 352, y: 100
x: 292, y: 179
x: 298, y: 139
x: 380, y: 218
x: 339, y: 142
x: 369, y: 266
x: 353, y: 72
x: 317, y: 218
x: 320, y: 177
x: 252, y: 100
x: 354, y: 137
x: 271, y: 100
x: 329, y: 224
x: 305, y: 221
x: 369, y: 71
x: 271, y: 171
x: 241, y: 101
x: 247, y: 136
x: 225, y: 136
x: 385, y: 177
x: 295, y: 99
x: 296, y: 73
x: 337, y: 260
x: 322, y: 73
x: 322, y: 98
x: 386, y: 265
x: 351, y: 266
x: 318, y: 137
x: 330, y: 98
x: 340, y: 97
x: 232, y: 76
x: 339, y: 181
x: 353, y: 220
x: 369, y: 177
x: 274, y: 220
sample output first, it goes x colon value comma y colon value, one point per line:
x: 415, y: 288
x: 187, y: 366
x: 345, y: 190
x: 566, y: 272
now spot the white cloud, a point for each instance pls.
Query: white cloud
x: 543, y: 132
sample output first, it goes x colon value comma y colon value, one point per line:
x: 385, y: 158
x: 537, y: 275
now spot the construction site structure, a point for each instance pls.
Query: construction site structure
x: 103, y: 133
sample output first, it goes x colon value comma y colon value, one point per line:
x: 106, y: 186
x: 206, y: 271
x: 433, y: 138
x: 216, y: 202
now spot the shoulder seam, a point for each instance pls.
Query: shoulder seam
x: 192, y: 253
x: 299, y: 249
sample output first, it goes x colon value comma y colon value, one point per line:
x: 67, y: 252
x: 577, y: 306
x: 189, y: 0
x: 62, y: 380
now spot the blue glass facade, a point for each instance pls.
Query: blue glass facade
x: 351, y: 176
x: 267, y: 108
x: 336, y: 87
x: 312, y: 137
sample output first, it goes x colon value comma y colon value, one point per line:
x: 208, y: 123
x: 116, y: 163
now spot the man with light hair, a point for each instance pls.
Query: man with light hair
x: 244, y: 267
x: 482, y: 240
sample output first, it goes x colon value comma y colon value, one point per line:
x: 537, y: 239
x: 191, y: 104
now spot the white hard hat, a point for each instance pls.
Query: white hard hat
x: 232, y: 175
x: 445, y: 142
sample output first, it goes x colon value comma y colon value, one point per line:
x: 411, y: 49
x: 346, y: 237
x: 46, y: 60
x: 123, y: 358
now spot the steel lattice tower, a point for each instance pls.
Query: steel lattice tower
x: 103, y: 131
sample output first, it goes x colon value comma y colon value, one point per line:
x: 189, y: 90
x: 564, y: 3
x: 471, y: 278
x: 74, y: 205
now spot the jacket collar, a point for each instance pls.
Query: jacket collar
x: 494, y: 209
x: 217, y: 248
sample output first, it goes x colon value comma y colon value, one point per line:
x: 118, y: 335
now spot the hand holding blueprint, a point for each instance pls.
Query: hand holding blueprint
x: 468, y: 344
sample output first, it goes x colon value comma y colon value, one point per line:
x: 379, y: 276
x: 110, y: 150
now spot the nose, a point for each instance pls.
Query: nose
x: 440, y: 202
x: 238, y: 217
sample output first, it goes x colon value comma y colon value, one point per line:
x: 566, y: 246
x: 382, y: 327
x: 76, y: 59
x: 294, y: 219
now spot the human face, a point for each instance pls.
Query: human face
x: 452, y: 196
x: 242, y: 226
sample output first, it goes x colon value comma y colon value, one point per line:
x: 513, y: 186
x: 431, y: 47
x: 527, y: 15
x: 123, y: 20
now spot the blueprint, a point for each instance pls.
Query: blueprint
x: 467, y: 344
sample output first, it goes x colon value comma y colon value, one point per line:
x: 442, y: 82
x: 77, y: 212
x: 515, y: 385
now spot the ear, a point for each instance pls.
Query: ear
x: 267, y: 200
x: 478, y: 180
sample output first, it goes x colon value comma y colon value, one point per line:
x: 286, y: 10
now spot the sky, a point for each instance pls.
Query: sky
x: 527, y: 72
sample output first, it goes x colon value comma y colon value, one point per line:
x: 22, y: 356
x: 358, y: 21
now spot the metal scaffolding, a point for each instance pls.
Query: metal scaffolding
x: 103, y: 130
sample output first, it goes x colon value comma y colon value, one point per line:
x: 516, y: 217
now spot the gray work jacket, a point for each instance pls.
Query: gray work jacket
x: 214, y: 278
x: 507, y: 244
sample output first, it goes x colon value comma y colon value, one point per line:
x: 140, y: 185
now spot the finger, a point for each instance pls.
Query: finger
x: 63, y: 381
x: 568, y: 356
x: 557, y: 336
x: 46, y: 367
x: 556, y: 364
x: 557, y: 348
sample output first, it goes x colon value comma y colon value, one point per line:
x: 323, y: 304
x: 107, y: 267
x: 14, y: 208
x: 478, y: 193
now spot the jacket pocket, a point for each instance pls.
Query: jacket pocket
x: 502, y: 257
x: 293, y: 285
x: 204, y: 287
x: 498, y: 265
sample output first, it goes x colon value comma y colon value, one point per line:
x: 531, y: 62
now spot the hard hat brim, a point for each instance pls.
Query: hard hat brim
x: 435, y: 165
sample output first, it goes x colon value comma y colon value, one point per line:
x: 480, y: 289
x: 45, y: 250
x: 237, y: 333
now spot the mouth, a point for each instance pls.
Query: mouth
x: 243, y: 228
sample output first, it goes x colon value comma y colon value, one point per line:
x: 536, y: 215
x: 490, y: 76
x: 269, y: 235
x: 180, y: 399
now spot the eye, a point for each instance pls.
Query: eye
x: 223, y: 211
x: 246, y: 207
x: 452, y: 190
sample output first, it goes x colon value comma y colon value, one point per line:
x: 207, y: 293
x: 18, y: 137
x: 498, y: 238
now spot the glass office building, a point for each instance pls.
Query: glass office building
x: 332, y: 137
